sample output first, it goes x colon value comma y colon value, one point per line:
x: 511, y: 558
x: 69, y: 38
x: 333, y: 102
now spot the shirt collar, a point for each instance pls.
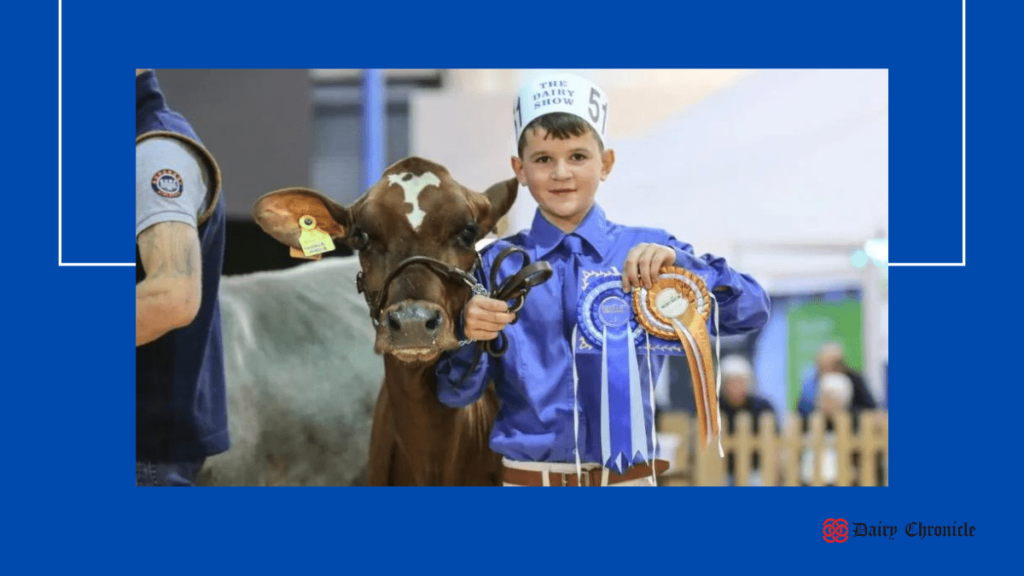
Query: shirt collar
x: 593, y: 230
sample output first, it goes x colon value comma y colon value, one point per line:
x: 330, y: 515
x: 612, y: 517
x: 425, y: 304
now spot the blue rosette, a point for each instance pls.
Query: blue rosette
x: 606, y: 322
x: 603, y: 304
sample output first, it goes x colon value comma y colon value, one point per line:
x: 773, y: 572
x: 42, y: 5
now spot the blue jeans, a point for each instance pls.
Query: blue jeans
x: 167, y: 473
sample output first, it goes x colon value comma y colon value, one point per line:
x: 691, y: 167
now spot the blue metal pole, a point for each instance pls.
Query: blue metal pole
x: 374, y: 139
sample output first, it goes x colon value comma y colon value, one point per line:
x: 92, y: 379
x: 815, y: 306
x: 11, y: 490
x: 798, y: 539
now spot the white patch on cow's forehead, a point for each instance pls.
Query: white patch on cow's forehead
x: 412, y: 186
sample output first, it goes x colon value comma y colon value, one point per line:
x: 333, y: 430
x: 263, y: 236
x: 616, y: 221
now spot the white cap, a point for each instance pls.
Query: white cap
x: 561, y: 92
x: 734, y: 365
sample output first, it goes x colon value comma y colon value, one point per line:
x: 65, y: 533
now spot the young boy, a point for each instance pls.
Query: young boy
x: 550, y: 428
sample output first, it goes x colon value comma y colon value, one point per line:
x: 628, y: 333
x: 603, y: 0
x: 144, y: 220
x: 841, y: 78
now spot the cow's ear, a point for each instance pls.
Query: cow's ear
x: 500, y: 197
x: 278, y: 214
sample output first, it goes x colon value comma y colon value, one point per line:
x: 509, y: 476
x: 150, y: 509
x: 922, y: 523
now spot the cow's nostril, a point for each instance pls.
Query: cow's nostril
x: 434, y: 322
x: 393, y: 322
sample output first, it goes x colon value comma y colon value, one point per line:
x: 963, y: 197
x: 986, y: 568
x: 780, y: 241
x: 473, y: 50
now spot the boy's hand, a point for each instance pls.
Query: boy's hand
x: 484, y: 317
x: 643, y: 263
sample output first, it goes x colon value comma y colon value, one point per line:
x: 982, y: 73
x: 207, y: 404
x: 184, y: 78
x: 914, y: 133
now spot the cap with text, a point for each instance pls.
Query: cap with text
x: 561, y: 93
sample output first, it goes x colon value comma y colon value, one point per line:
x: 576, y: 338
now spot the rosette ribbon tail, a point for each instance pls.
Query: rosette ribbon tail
x: 678, y: 307
x: 698, y: 355
x: 617, y: 372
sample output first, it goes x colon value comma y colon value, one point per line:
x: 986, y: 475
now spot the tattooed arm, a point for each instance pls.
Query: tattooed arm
x: 170, y: 295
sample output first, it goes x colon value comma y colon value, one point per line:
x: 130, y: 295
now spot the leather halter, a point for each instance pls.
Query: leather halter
x: 514, y: 288
x: 376, y: 301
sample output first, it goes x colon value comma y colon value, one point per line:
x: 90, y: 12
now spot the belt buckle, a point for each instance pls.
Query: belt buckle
x: 582, y: 479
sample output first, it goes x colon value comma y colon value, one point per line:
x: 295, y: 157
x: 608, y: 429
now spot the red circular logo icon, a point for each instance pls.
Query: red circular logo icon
x: 835, y: 530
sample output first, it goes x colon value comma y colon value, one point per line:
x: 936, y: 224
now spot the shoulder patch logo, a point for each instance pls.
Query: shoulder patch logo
x: 167, y: 183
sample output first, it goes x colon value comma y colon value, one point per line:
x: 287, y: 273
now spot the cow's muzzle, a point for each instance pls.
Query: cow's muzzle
x: 377, y: 299
x: 415, y: 330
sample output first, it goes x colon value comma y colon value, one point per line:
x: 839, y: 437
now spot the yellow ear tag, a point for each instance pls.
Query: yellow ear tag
x: 313, y: 240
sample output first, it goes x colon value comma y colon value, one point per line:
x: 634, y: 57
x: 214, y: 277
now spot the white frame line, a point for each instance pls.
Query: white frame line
x: 60, y: 159
x: 60, y: 148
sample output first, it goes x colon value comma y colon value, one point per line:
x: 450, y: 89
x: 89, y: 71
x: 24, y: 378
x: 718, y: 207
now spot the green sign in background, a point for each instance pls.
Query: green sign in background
x: 815, y: 323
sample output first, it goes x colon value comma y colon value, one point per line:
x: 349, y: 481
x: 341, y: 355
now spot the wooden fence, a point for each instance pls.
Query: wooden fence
x: 816, y: 456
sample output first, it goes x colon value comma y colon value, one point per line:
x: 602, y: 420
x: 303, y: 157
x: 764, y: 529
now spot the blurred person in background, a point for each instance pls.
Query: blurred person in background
x: 831, y: 360
x: 737, y: 377
x: 835, y: 395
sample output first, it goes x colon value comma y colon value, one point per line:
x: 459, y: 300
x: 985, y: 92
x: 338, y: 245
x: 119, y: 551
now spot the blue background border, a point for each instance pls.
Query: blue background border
x: 71, y: 498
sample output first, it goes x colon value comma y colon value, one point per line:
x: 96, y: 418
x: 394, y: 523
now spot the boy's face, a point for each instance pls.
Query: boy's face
x: 563, y: 175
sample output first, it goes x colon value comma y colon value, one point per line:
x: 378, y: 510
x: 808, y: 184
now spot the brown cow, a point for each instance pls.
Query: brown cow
x: 415, y: 209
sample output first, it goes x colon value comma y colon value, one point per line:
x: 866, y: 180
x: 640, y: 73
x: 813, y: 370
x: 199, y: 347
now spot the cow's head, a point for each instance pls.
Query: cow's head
x: 415, y: 209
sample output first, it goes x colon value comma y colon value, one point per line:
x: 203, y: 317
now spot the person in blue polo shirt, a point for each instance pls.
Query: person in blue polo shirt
x: 180, y: 410
x: 551, y: 428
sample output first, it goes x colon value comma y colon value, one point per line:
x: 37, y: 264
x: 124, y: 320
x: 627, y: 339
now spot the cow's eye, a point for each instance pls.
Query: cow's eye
x: 468, y: 234
x: 359, y: 239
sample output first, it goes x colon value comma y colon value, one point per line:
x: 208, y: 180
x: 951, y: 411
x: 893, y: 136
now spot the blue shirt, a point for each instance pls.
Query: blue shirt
x: 534, y: 379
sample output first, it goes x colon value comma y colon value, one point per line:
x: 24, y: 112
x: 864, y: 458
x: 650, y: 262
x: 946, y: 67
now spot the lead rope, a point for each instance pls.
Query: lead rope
x: 516, y: 288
